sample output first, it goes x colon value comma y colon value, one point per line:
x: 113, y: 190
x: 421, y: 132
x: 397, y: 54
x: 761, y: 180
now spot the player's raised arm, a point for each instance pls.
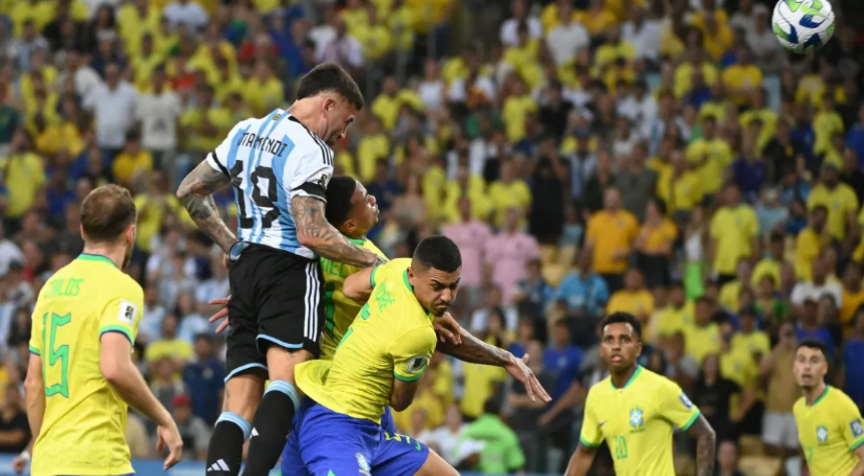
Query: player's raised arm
x: 195, y: 194
x: 358, y: 287
x: 315, y: 233
x: 475, y: 351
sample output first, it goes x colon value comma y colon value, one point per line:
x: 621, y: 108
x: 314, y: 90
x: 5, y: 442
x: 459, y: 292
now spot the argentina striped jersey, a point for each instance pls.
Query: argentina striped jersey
x: 271, y: 160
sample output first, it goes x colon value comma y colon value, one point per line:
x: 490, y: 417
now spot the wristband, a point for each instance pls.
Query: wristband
x: 25, y: 455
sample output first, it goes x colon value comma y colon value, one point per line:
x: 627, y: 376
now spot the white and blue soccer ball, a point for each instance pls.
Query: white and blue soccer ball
x: 803, y: 25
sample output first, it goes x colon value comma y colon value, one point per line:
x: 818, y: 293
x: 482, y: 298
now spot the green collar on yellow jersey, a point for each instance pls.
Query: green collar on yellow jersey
x: 820, y: 397
x: 411, y: 288
x: 632, y: 378
x: 357, y: 242
x: 89, y: 257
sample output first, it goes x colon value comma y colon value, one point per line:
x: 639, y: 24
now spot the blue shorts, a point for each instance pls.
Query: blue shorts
x: 363, y: 447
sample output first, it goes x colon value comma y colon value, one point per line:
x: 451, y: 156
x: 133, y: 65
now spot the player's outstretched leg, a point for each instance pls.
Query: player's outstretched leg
x: 274, y: 417
x: 225, y: 452
x: 436, y: 466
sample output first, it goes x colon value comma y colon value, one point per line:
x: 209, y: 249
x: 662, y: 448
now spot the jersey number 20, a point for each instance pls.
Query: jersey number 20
x: 55, y: 354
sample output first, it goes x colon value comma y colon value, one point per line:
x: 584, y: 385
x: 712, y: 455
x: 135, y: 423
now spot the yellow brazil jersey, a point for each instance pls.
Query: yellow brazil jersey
x: 637, y: 421
x: 829, y: 431
x: 670, y: 320
x: 85, y: 420
x: 701, y: 341
x: 339, y: 311
x: 808, y: 245
x: 392, y: 337
x: 639, y: 303
x: 710, y: 157
x: 756, y: 342
x: 680, y: 193
x: 840, y: 202
x: 733, y: 229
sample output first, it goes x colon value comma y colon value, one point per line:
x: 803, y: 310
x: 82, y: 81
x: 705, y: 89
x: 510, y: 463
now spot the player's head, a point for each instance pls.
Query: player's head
x: 350, y: 208
x: 435, y: 272
x: 333, y: 98
x: 622, y: 341
x: 108, y: 217
x: 811, y: 363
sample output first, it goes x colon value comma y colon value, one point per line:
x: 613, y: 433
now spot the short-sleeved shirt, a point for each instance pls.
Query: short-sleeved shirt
x: 270, y: 161
x: 611, y: 233
x: 637, y: 421
x: 839, y: 202
x: 733, y: 229
x: 808, y: 245
x: 85, y: 420
x: 830, y: 430
x: 393, y: 336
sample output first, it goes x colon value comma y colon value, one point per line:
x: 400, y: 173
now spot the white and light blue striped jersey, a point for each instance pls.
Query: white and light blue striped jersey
x: 270, y: 160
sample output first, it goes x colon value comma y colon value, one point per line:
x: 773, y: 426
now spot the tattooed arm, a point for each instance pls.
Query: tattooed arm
x: 703, y: 433
x: 315, y: 233
x: 475, y: 351
x: 195, y: 194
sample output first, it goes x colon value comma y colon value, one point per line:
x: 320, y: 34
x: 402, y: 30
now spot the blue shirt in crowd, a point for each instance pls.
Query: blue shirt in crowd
x: 564, y: 364
x: 853, y: 355
x: 855, y: 141
x: 820, y: 333
x: 589, y: 294
x: 205, y: 380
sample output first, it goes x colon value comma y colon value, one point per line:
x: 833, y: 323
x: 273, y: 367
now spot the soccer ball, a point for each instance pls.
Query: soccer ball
x: 802, y: 25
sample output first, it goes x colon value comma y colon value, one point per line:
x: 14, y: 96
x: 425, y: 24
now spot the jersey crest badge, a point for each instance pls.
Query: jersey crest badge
x: 686, y: 401
x: 857, y: 428
x: 127, y: 312
x: 363, y: 464
x: 637, y: 418
x: 821, y: 434
x: 417, y: 363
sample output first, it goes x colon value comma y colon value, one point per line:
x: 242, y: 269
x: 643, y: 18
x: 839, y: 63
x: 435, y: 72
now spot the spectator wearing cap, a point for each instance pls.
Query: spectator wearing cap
x: 193, y: 429
x: 610, y: 237
x: 734, y: 234
x: 583, y: 163
x: 703, y: 337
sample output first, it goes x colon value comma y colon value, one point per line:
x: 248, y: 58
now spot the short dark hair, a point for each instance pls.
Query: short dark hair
x: 813, y: 343
x: 438, y: 252
x: 491, y: 406
x: 819, y: 208
x: 624, y: 318
x: 106, y: 212
x: 330, y: 77
x: 339, y: 193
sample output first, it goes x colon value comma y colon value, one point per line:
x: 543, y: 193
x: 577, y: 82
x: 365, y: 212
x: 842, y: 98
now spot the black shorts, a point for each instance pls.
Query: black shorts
x: 276, y: 299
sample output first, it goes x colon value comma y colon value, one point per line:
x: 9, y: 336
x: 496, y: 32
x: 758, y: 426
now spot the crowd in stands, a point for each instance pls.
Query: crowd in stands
x: 661, y: 157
